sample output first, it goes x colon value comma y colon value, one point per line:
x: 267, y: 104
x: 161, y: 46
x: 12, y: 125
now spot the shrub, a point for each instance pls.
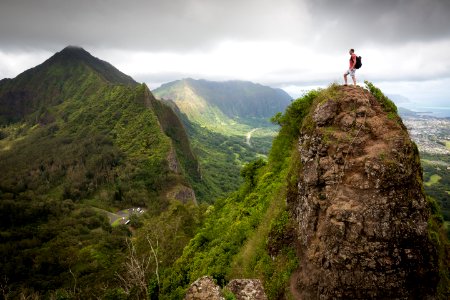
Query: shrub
x: 385, y: 102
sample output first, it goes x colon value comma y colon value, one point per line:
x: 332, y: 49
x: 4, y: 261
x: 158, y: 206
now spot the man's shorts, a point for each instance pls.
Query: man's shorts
x: 351, y: 72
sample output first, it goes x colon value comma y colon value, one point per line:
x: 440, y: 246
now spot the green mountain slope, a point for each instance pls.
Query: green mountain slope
x: 228, y: 125
x: 231, y: 108
x: 220, y: 158
x: 78, y: 102
x: 67, y: 74
x: 78, y: 134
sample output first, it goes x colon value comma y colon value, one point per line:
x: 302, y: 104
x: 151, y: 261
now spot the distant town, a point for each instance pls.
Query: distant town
x: 431, y: 134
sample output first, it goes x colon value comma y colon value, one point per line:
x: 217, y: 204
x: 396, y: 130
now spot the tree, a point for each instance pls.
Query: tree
x: 137, y: 270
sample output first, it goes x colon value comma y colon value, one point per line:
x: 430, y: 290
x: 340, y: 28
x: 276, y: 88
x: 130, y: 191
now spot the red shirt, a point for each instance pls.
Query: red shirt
x: 352, y: 61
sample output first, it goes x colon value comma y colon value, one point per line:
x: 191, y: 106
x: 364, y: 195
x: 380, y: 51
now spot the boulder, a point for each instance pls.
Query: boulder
x: 247, y: 289
x: 204, y: 289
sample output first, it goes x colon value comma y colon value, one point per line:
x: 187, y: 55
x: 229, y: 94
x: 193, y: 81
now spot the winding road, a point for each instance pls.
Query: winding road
x: 121, y: 214
x: 249, y: 136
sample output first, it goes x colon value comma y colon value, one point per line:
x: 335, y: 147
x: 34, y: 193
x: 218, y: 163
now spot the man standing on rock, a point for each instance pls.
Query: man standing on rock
x: 351, y: 70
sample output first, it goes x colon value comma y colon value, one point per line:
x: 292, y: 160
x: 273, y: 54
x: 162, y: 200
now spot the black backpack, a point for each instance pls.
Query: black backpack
x: 358, y: 63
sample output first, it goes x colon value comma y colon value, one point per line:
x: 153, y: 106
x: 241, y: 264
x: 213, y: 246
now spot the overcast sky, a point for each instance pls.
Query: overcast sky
x: 292, y: 44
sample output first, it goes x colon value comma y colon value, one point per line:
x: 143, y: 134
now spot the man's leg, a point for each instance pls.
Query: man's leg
x: 354, y: 80
x: 345, y: 78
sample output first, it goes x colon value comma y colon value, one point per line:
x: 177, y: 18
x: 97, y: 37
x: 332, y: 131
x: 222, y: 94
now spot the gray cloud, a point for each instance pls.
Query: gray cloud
x: 285, y: 43
x: 366, y: 22
x: 189, y: 25
x: 139, y: 24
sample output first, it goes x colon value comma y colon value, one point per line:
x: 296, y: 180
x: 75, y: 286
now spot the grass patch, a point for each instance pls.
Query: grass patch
x: 387, y: 104
x: 116, y: 222
x: 243, y: 264
x: 447, y: 144
x: 433, y: 180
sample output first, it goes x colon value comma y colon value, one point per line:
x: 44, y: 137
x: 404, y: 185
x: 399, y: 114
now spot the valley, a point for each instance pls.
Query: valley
x: 228, y: 124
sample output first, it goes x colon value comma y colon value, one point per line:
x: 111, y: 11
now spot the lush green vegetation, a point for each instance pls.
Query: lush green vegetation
x: 104, y: 146
x: 218, y: 117
x: 387, y: 104
x: 439, y: 237
x: 57, y: 247
x: 220, y: 159
x: 248, y: 233
x: 216, y: 103
x: 437, y: 181
x: 88, y: 137
x: 232, y: 109
x: 433, y: 180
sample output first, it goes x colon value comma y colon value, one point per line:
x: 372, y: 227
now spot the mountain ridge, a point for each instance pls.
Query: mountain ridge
x: 227, y: 102
x: 104, y: 68
x: 21, y: 96
x: 77, y: 135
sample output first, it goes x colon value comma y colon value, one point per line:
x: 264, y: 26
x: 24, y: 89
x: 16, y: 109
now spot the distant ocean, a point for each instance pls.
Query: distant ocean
x: 432, y: 111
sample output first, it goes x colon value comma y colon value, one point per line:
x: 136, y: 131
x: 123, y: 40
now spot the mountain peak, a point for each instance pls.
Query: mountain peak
x: 76, y: 54
x: 243, y: 99
x: 72, y: 52
x: 42, y: 86
x: 73, y: 47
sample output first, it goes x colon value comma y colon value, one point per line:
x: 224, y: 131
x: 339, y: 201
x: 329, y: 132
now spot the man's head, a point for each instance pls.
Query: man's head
x: 351, y: 51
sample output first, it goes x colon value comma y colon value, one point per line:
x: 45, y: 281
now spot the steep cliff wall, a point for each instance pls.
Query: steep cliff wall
x: 358, y: 204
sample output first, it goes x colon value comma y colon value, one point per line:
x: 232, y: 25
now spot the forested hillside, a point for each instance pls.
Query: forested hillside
x: 80, y: 138
x: 249, y: 234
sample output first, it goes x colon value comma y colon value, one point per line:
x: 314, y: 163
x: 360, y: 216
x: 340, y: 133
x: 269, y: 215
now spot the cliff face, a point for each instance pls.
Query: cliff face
x: 359, y: 205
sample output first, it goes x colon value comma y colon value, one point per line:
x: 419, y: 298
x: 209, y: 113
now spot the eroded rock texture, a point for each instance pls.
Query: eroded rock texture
x: 247, y: 289
x: 359, y: 206
x: 204, y: 289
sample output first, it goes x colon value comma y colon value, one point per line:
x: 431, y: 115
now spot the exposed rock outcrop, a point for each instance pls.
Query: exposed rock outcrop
x: 244, y: 289
x: 204, y: 289
x: 182, y: 193
x: 247, y: 289
x: 359, y: 205
x: 172, y: 160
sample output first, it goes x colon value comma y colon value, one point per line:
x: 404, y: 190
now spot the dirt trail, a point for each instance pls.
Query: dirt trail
x: 293, y: 285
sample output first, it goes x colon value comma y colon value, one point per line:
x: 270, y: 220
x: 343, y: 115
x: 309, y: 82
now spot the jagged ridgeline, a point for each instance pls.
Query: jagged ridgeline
x: 77, y: 128
x: 356, y: 223
x: 79, y: 138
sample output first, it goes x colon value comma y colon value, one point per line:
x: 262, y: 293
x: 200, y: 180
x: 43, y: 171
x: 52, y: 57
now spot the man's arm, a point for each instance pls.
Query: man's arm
x: 353, y: 62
